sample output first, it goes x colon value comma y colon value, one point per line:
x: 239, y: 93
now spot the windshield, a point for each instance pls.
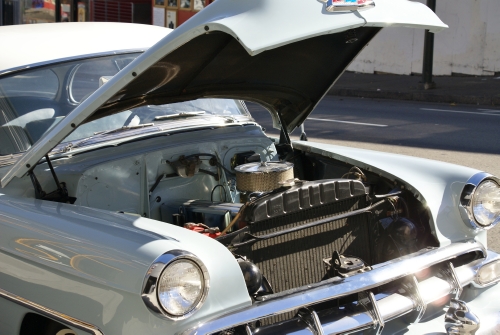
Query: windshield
x: 33, y: 101
x: 161, y: 115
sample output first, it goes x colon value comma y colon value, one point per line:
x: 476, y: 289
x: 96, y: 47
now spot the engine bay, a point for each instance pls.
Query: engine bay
x: 291, y: 218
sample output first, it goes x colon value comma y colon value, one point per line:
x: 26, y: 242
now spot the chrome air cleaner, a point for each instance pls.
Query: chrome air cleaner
x: 262, y: 177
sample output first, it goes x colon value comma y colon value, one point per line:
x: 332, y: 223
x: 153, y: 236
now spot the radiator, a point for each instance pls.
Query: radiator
x: 296, y: 259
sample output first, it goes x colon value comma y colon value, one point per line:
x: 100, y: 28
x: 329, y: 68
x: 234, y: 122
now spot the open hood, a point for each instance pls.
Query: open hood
x: 283, y: 54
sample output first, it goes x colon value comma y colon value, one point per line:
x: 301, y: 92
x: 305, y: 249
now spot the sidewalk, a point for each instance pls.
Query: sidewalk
x: 449, y: 89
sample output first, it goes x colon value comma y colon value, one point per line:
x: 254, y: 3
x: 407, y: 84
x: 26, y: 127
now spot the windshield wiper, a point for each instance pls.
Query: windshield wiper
x: 180, y: 115
x: 73, y: 145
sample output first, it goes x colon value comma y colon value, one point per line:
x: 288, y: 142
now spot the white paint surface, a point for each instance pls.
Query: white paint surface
x: 470, y: 46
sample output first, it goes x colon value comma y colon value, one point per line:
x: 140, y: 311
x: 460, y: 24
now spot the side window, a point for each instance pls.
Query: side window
x: 41, y: 83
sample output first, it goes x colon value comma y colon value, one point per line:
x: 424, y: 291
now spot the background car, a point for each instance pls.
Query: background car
x: 140, y: 197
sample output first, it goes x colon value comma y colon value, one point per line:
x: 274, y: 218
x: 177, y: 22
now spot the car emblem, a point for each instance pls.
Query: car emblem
x: 347, y: 5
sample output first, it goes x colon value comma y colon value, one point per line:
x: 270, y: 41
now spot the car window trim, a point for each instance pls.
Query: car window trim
x: 67, y: 59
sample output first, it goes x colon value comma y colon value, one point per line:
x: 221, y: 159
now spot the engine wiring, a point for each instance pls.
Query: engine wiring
x: 213, y: 190
x: 357, y: 173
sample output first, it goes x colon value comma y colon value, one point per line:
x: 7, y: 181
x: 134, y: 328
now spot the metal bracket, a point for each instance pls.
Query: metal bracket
x: 411, y: 286
x: 311, y: 319
x: 368, y: 301
x: 451, y: 277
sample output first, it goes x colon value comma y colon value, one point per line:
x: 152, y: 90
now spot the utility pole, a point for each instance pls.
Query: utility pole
x: 428, y: 54
x: 58, y: 10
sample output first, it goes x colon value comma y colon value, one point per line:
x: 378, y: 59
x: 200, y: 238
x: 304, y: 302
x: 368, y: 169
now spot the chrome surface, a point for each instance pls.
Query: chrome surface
x: 52, y: 314
x: 459, y: 319
x: 465, y: 202
x: 458, y: 286
x: 264, y: 167
x: 391, y: 306
x: 311, y: 319
x: 262, y: 176
x: 150, y: 285
x: 68, y: 59
x: 431, y: 290
x: 412, y: 287
x: 449, y: 274
x: 368, y: 301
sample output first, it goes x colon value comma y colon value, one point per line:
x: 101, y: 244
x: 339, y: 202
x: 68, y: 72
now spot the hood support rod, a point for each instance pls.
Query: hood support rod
x: 49, y: 163
x: 59, y: 195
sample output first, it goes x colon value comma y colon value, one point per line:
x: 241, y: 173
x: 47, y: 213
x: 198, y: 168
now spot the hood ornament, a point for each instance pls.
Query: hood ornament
x: 347, y: 5
x: 459, y: 320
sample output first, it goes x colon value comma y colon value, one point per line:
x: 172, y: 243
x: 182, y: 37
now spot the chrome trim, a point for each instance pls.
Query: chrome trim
x: 458, y: 286
x: 69, y: 86
x: 150, y: 284
x: 459, y: 319
x: 465, y: 201
x: 431, y: 290
x: 412, y: 287
x: 68, y: 59
x: 311, y: 319
x: 368, y: 301
x: 51, y: 314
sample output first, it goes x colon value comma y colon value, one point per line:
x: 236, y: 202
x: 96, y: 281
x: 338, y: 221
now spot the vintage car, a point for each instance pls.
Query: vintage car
x: 139, y: 196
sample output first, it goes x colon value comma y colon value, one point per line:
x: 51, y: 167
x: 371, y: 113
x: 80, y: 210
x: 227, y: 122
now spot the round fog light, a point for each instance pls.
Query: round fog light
x: 489, y: 273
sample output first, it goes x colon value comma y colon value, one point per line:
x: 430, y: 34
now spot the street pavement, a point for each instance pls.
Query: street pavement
x: 460, y: 134
x: 476, y: 90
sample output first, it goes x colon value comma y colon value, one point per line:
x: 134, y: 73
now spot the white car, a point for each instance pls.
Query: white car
x: 139, y: 196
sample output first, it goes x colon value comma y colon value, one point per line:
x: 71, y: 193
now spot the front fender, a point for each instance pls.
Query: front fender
x: 90, y: 264
x: 437, y: 184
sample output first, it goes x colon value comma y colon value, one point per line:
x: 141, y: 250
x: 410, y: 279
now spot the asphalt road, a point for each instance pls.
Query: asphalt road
x: 460, y: 134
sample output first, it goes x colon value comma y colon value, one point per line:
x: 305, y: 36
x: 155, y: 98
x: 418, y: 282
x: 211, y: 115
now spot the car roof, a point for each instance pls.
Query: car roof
x: 34, y: 44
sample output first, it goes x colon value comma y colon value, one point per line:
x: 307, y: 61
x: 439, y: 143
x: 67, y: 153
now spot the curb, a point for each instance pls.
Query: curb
x: 417, y: 96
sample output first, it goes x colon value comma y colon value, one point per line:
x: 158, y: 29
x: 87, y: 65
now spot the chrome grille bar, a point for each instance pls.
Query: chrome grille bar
x: 390, y: 306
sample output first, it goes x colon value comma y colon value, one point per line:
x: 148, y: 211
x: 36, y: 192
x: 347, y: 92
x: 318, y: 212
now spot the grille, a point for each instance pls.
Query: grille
x: 296, y: 259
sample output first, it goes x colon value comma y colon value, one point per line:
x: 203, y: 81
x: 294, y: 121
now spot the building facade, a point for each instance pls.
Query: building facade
x: 471, y: 45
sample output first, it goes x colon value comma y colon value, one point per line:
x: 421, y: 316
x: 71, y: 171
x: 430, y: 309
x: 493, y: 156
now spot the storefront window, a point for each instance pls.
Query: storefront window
x: 39, y: 11
x: 83, y: 11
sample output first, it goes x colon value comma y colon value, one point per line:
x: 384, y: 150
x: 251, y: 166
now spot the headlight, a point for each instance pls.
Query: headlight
x: 176, y: 285
x: 480, y: 202
x: 486, y: 203
x: 181, y: 287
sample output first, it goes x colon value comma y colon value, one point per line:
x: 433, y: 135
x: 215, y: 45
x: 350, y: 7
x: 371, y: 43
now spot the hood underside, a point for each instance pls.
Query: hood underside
x: 289, y: 80
x: 284, y: 55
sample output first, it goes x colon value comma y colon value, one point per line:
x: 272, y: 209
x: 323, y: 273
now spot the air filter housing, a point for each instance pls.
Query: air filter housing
x: 262, y: 177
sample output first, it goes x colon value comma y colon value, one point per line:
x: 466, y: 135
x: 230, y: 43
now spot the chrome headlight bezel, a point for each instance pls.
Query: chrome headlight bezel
x: 467, y: 199
x: 153, y: 276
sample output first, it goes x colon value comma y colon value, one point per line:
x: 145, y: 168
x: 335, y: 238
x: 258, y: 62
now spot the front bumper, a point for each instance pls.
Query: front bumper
x: 398, y: 293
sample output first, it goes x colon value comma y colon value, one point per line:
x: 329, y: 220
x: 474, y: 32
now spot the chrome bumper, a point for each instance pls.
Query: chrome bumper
x: 406, y: 296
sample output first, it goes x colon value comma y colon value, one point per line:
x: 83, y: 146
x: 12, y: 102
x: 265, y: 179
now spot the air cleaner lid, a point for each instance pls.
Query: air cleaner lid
x: 264, y: 167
